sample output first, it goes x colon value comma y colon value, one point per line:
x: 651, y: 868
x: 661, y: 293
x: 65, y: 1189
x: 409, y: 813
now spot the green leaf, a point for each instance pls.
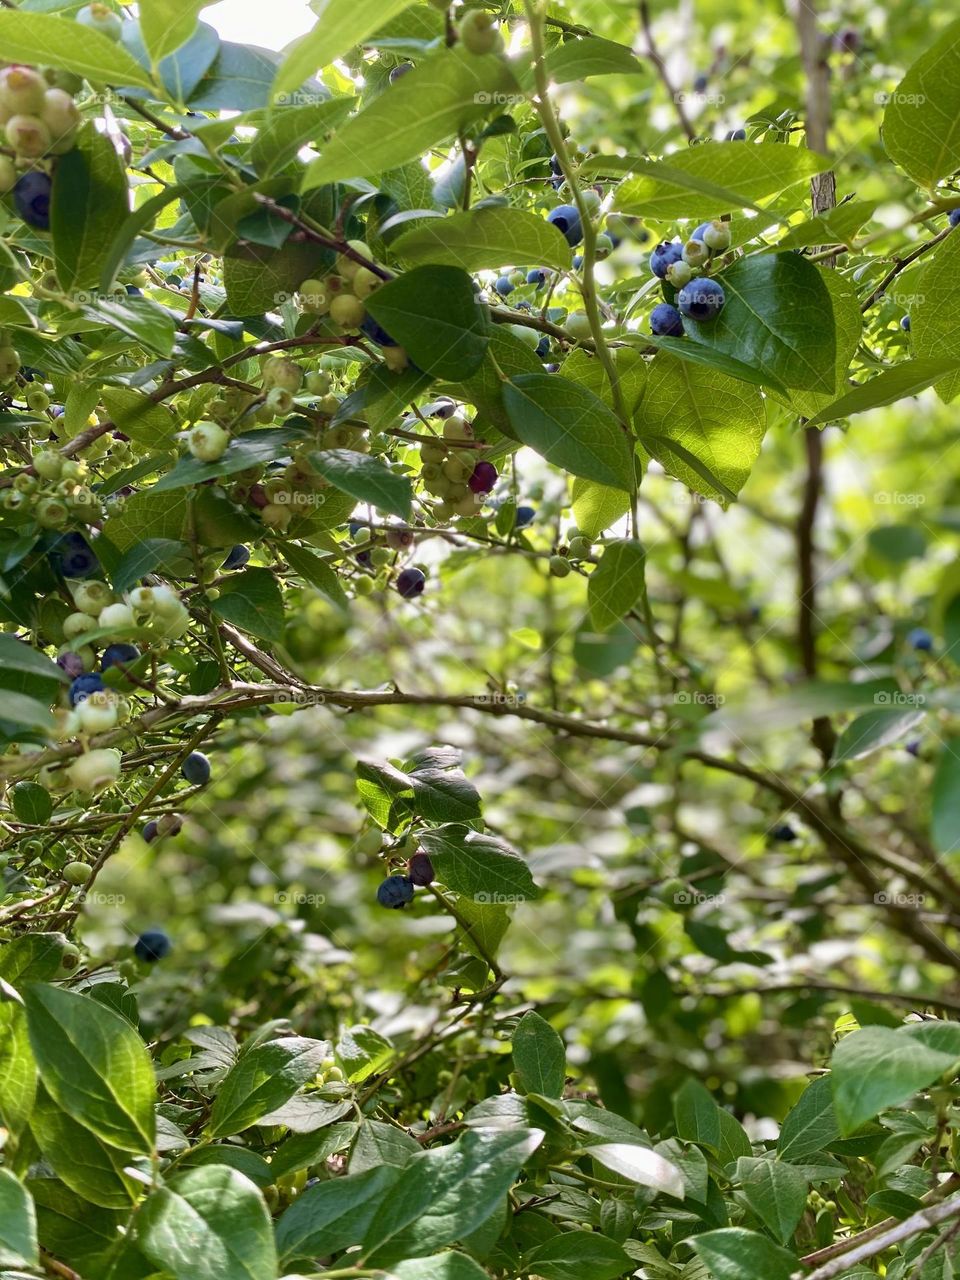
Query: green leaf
x: 848, y: 321
x: 446, y: 92
x: 251, y: 600
x: 539, y: 1056
x: 18, y: 1224
x: 33, y: 957
x: 94, y: 1066
x: 935, y: 327
x: 40, y: 38
x: 945, y: 802
x: 86, y: 1165
x: 696, y: 1114
x: 17, y: 656
x: 811, y: 1125
x: 17, y: 708
x: 286, y: 130
x: 734, y: 1253
x: 591, y: 56
x: 142, y: 319
x: 446, y: 1193
x: 208, y: 1224
x: 776, y: 1192
x: 570, y: 427
x: 701, y: 425
x: 874, y: 730
x: 139, y: 418
x: 641, y: 1165
x: 481, y: 867
x: 616, y: 584
x: 250, y: 449
x: 713, y: 359
x: 442, y: 1266
x: 262, y: 1079
x: 596, y: 506
x: 879, y: 1067
x: 908, y: 378
x: 89, y: 201
x: 240, y: 79
x: 18, y: 1072
x: 333, y: 1215
x: 921, y: 125
x: 485, y: 238
x: 309, y: 566
x: 706, y: 180
x: 578, y: 1255
x: 366, y: 479
x: 167, y: 24
x: 145, y: 557
x: 433, y: 313
x: 778, y: 317
x: 362, y: 1051
x: 341, y: 25
x: 506, y: 355
x: 31, y: 802
x: 837, y: 226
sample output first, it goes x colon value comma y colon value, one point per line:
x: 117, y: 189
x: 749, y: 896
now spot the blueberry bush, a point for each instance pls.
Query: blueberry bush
x: 480, y: 602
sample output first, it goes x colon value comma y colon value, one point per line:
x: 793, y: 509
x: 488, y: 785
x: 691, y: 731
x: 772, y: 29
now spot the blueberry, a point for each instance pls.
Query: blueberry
x: 523, y: 517
x: 542, y: 348
x: 737, y: 135
x: 71, y: 663
x: 420, y: 870
x: 83, y: 686
x: 920, y: 639
x: 399, y: 72
x: 484, y: 477
x: 73, y: 556
x: 537, y: 276
x: 115, y: 654
x: 376, y: 334
x: 410, y: 583
x: 152, y: 945
x: 913, y: 746
x: 701, y: 299
x: 700, y: 83
x: 31, y: 197
x: 905, y: 323
x: 698, y: 234
x: 578, y: 261
x: 665, y: 255
x: 555, y: 167
x: 566, y: 218
x: 783, y: 832
x: 238, y: 557
x: 133, y: 291
x: 953, y: 217
x: 149, y: 831
x: 503, y: 286
x: 196, y: 769
x: 666, y: 321
x: 395, y: 892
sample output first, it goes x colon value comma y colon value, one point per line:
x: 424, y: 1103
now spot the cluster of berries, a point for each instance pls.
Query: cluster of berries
x: 397, y: 890
x: 55, y: 490
x: 683, y: 268
x: 40, y: 121
x: 341, y: 296
x: 458, y: 476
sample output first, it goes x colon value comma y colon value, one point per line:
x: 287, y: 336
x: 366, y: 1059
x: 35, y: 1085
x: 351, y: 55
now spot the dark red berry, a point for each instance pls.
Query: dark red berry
x: 410, y: 583
x: 484, y: 477
x: 420, y: 870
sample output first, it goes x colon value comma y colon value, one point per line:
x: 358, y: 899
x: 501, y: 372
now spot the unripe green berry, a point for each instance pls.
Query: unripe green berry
x: 717, y: 236
x: 208, y: 442
x: 559, y: 566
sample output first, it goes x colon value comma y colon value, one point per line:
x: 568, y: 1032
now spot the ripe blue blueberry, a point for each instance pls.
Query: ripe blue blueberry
x: 238, y: 557
x: 83, y: 686
x: 913, y: 746
x: 953, y: 217
x: 133, y: 291
x: 578, y: 261
x: 399, y: 72
x: 523, y: 517
x: 420, y: 870
x: 666, y: 321
x: 700, y: 83
x: 118, y: 654
x: 664, y: 256
x: 542, y: 348
x: 410, y: 583
x: 376, y: 333
x: 152, y: 945
x: 73, y: 556
x: 905, y: 323
x: 783, y: 832
x: 701, y: 299
x: 149, y: 831
x: 503, y: 286
x: 31, y: 198
x: 196, y: 769
x: 737, y: 135
x: 555, y: 167
x: 566, y: 218
x: 395, y: 892
x: 920, y: 639
x: 537, y: 276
